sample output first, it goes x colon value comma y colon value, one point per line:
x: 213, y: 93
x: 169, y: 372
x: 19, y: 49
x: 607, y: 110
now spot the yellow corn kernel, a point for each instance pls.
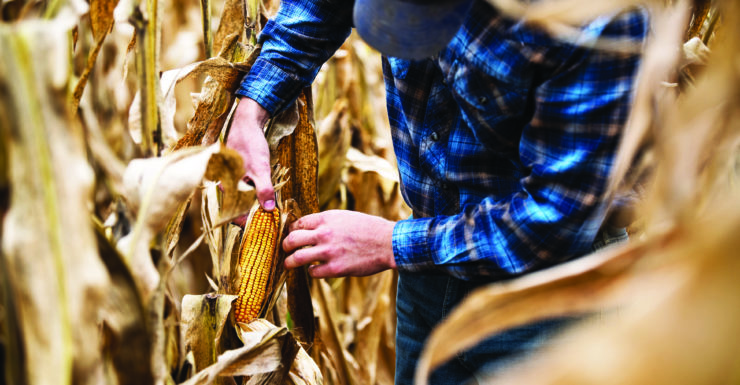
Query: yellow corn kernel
x: 255, y: 263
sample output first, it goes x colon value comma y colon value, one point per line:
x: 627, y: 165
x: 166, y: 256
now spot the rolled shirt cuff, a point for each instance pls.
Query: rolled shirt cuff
x: 270, y: 86
x: 411, y: 244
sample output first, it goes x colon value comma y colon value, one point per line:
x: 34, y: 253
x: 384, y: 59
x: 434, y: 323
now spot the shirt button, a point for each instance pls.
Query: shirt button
x: 444, y: 186
x: 482, y: 100
x: 435, y: 136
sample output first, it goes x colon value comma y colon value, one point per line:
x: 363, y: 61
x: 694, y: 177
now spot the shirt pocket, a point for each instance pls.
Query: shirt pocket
x: 494, y: 109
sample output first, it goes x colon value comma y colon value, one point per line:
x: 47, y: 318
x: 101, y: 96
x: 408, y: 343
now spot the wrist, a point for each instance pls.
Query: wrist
x: 392, y: 257
x: 250, y: 111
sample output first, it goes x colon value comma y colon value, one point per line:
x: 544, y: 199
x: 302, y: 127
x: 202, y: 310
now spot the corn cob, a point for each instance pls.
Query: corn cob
x: 255, y: 262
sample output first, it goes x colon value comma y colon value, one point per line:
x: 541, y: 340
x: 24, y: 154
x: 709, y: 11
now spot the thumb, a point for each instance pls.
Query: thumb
x: 265, y: 191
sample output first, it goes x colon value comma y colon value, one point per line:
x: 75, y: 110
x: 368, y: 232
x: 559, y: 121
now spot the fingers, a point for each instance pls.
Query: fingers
x: 299, y: 238
x: 263, y: 187
x: 257, y: 167
x: 247, y: 139
x: 304, y: 257
x: 308, y: 222
x: 323, y: 270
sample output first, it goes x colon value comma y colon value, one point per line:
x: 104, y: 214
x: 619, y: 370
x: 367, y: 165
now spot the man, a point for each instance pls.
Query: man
x: 504, y: 137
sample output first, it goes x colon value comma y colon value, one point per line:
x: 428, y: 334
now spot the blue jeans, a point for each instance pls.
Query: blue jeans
x: 423, y: 300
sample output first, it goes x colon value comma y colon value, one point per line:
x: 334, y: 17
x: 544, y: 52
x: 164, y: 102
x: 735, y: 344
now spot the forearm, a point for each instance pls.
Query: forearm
x: 295, y: 43
x: 497, y: 239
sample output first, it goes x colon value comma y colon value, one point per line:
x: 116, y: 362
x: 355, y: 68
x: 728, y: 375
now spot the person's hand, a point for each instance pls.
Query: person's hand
x: 342, y: 242
x: 247, y: 138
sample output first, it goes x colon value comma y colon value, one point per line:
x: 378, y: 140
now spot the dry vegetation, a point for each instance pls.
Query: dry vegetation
x: 118, y: 259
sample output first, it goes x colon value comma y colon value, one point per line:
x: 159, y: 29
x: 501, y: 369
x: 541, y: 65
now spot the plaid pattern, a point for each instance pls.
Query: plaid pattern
x: 504, y: 141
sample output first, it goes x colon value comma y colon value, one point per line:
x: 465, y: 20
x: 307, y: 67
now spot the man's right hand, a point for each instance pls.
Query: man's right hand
x: 247, y: 138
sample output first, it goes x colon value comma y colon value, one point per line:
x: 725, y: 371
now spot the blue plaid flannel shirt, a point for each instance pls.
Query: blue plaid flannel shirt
x: 504, y: 141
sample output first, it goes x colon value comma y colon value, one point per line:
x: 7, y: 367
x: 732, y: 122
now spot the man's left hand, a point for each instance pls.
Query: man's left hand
x: 340, y: 243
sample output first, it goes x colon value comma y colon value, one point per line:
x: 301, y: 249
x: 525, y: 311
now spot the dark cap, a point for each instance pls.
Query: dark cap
x: 409, y: 29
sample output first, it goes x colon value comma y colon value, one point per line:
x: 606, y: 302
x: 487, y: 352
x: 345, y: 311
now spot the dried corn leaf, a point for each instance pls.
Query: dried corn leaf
x: 215, y: 101
x: 174, y: 227
x: 92, y: 57
x: 260, y: 354
x: 295, y: 362
x: 334, y: 140
x: 227, y: 264
x: 231, y: 22
x: 209, y: 213
x: 288, y: 351
x: 226, y: 167
x: 373, y: 183
x: 564, y: 19
x: 700, y: 11
x: 371, y: 323
x: 281, y: 126
x: 225, y: 73
x: 304, y: 370
x: 330, y: 335
x: 658, y: 66
x: 588, y: 284
x: 680, y: 329
x: 101, y: 16
x: 54, y: 296
x: 155, y: 188
x: 124, y: 324
x: 203, y: 320
x: 559, y: 13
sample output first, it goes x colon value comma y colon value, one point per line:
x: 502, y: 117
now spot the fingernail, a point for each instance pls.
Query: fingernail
x: 269, y: 205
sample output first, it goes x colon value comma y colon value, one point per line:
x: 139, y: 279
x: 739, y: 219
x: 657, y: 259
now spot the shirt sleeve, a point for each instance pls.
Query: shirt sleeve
x: 567, y: 148
x: 295, y: 43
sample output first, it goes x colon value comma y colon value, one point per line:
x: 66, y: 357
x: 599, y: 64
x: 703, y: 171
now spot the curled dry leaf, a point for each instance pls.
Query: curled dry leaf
x: 221, y: 72
x: 373, y: 182
x: 304, y: 370
x: 679, y: 329
x: 154, y: 188
x: 296, y: 366
x: 658, y: 65
x: 555, y: 15
x: 588, y: 284
x: 202, y: 322
x: 226, y: 167
x: 373, y: 300
x: 101, y: 20
x: 338, y: 355
x: 282, y: 125
x: 101, y: 16
x: 215, y: 101
x: 334, y: 140
x: 232, y: 22
x: 260, y: 354
x: 695, y: 52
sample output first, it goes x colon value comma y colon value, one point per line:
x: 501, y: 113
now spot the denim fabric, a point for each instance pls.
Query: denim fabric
x: 423, y: 300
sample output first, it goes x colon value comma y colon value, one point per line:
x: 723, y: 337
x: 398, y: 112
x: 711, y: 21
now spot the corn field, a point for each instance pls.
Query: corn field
x: 121, y: 262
